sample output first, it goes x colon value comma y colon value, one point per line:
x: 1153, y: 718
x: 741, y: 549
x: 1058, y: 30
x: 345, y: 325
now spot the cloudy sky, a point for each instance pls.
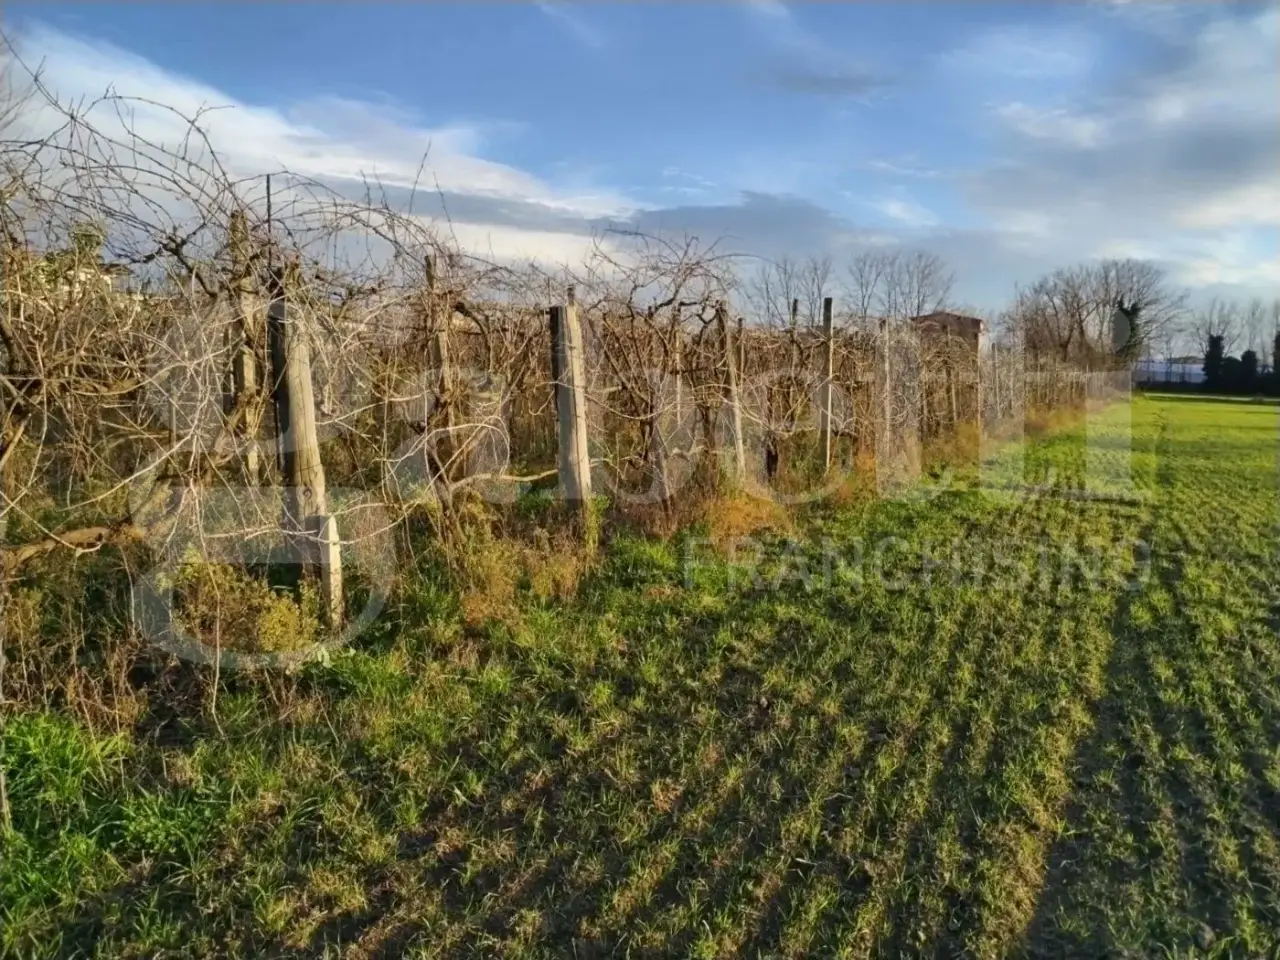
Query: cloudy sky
x: 1009, y: 138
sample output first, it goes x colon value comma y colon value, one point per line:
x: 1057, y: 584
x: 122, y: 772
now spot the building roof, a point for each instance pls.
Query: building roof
x: 946, y: 318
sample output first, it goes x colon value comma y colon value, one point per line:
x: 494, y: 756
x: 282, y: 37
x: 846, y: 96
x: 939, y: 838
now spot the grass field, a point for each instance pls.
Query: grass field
x: 960, y: 724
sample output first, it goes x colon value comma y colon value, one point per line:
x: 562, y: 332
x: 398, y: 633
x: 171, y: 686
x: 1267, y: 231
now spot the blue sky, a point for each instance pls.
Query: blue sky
x: 1009, y: 138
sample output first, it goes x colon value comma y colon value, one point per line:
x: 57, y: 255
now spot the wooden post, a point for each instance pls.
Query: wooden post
x: 888, y: 446
x: 825, y: 391
x: 438, y: 322
x: 792, y: 327
x: 886, y: 390
x: 977, y: 387
x: 248, y: 317
x: 439, y: 318
x: 995, y: 382
x: 173, y: 412
x: 679, y: 365
x: 952, y: 401
x: 228, y: 381
x: 731, y: 387
x: 789, y: 385
x: 742, y: 352
x: 298, y: 447
x: 569, y: 373
x: 792, y: 355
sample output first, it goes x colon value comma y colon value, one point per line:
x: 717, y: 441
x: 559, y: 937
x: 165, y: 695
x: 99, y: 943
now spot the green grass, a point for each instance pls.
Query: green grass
x: 1018, y: 760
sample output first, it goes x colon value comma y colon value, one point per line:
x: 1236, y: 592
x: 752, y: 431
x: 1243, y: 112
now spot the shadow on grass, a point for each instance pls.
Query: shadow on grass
x: 1170, y: 840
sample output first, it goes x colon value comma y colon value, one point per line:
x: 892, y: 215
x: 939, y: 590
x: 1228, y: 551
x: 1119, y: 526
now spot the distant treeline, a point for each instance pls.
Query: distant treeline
x: 1226, y: 374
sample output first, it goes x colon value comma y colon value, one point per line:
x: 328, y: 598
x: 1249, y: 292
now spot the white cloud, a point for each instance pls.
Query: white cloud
x: 1230, y: 74
x: 1251, y: 203
x: 324, y: 138
x: 1160, y: 18
x: 906, y: 211
x: 805, y: 61
x: 1025, y: 224
x: 1230, y: 258
x: 1024, y: 52
x: 1123, y: 171
x: 1124, y: 249
x: 507, y: 244
x: 1073, y: 129
x: 1215, y: 271
x: 1173, y: 160
x: 909, y: 166
x: 583, y: 32
x: 687, y: 184
x: 1236, y: 257
x: 770, y: 9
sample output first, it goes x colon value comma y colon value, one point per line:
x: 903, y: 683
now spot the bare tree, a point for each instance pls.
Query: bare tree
x: 1253, y: 323
x: 1273, y: 332
x: 894, y: 284
x: 1218, y: 318
x: 1068, y: 314
x: 789, y: 292
x: 1054, y: 312
x: 1142, y: 289
x: 863, y: 289
x: 917, y: 283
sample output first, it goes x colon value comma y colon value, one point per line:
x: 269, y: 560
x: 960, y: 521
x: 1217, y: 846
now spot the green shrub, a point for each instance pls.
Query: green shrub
x: 226, y: 607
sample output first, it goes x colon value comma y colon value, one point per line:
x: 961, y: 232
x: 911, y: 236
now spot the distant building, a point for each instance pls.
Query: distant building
x: 942, y: 323
x: 58, y: 274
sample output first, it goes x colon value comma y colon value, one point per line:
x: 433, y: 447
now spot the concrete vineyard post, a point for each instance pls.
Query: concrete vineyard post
x: 731, y: 389
x: 248, y: 315
x: 825, y: 394
x: 568, y: 372
x: 298, y: 446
